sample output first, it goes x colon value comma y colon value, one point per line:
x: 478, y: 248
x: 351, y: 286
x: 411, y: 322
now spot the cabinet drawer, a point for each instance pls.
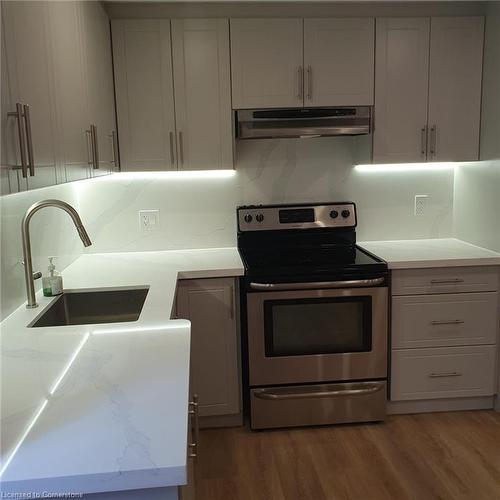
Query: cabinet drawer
x: 448, y: 372
x: 444, y: 320
x: 444, y: 280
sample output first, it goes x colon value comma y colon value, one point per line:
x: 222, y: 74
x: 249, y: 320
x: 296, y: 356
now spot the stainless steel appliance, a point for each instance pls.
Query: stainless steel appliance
x: 303, y: 122
x: 316, y: 309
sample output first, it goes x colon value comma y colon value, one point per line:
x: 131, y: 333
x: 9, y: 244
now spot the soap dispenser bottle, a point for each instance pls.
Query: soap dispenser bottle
x: 52, y: 283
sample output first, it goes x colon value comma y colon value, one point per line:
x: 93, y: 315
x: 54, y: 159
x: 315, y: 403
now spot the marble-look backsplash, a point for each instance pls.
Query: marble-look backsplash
x: 52, y: 234
x: 200, y: 211
x: 477, y: 204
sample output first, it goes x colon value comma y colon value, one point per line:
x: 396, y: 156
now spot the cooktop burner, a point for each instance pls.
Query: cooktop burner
x: 301, y: 242
x: 307, y: 258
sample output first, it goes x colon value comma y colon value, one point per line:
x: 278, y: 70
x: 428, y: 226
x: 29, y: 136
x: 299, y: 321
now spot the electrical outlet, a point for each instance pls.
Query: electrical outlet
x: 421, y: 202
x: 149, y: 220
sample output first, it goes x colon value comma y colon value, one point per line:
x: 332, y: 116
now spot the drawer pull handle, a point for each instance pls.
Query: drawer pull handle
x: 447, y: 281
x: 449, y: 322
x: 193, y: 413
x: 445, y: 374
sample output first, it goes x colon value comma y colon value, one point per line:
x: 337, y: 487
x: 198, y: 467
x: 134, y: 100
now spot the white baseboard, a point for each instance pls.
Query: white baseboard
x: 437, y: 405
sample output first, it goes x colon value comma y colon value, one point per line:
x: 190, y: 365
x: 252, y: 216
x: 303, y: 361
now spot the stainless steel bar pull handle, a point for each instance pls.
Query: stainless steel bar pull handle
x: 445, y: 374
x: 195, y: 429
x: 18, y: 113
x: 317, y: 285
x: 172, y: 146
x: 181, y: 147
x: 276, y: 394
x: 29, y: 139
x: 309, y: 83
x: 90, y: 147
x: 300, y: 93
x: 95, y: 147
x: 448, y: 322
x: 446, y: 281
x: 433, y: 141
x: 423, y: 142
x: 114, y: 147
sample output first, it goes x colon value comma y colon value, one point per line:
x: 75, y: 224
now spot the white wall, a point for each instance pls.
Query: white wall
x: 477, y: 188
x: 52, y: 234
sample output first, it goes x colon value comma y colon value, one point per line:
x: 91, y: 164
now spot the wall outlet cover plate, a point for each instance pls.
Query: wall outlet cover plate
x: 149, y: 220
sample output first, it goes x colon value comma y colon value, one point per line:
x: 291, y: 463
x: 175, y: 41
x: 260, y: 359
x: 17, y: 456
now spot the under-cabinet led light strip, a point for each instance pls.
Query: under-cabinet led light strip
x: 172, y: 174
x: 405, y: 167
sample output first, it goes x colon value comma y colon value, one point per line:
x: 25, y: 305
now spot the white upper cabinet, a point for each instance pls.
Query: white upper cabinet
x: 100, y: 85
x: 72, y: 105
x: 339, y: 58
x: 46, y: 68
x: 267, y: 63
x: 154, y: 133
x: 279, y: 63
x: 200, y: 49
x: 144, y: 94
x: 428, y: 89
x: 455, y: 80
x: 401, y: 89
x: 31, y: 82
x: 8, y: 130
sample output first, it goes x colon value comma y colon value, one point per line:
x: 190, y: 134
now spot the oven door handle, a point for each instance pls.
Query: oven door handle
x: 276, y: 394
x: 317, y: 285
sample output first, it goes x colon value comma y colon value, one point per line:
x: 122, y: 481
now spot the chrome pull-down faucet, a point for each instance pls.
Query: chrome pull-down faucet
x: 25, y: 231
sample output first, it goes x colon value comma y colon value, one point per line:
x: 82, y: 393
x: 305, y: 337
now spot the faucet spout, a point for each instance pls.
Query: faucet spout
x: 25, y: 224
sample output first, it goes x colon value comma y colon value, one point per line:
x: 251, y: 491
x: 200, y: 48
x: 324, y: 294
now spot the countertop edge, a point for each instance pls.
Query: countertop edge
x: 106, y: 482
x: 423, y: 264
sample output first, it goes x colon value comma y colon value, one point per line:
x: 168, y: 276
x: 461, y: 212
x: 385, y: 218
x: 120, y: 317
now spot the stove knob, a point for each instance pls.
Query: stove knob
x: 259, y: 217
x: 334, y: 214
x: 345, y: 213
x: 248, y: 218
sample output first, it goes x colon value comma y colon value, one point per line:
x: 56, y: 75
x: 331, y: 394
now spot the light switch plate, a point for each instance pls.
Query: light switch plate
x: 149, y: 220
x: 421, y: 202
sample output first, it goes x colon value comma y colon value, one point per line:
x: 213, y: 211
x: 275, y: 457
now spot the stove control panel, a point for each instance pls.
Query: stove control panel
x: 282, y: 217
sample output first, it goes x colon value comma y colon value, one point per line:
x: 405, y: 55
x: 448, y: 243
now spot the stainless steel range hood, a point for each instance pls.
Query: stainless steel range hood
x: 303, y: 122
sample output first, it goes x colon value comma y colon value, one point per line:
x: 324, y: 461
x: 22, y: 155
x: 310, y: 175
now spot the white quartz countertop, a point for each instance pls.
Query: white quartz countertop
x: 98, y: 408
x: 440, y: 252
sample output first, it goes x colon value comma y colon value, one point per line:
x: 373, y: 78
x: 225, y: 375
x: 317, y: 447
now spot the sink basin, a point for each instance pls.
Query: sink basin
x: 85, y: 307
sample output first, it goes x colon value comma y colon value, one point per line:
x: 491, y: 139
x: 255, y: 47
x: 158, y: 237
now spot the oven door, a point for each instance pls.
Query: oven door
x: 317, y: 335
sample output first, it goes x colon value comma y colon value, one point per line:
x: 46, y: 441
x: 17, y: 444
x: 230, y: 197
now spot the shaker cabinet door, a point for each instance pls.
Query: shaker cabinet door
x: 401, y: 89
x: 267, y: 63
x: 339, y: 58
x: 9, y: 149
x: 210, y: 306
x: 99, y: 71
x: 73, y: 113
x: 456, y: 62
x: 144, y: 94
x: 30, y: 72
x: 202, y: 85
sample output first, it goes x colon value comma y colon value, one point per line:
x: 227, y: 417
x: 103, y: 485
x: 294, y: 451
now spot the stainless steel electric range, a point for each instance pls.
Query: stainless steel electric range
x: 316, y: 315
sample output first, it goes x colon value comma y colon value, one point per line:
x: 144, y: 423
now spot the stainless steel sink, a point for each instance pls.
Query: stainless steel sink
x: 85, y: 307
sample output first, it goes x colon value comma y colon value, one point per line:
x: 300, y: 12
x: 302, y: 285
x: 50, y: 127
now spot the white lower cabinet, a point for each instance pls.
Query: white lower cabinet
x: 210, y: 305
x: 444, y: 320
x: 446, y: 372
x: 444, y: 338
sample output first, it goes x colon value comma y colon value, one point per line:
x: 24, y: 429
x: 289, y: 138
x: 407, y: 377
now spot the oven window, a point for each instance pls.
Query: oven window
x: 298, y: 327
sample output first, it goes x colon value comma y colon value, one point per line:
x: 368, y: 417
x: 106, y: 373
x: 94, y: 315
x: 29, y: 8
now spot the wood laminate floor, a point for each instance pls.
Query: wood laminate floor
x: 420, y: 457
